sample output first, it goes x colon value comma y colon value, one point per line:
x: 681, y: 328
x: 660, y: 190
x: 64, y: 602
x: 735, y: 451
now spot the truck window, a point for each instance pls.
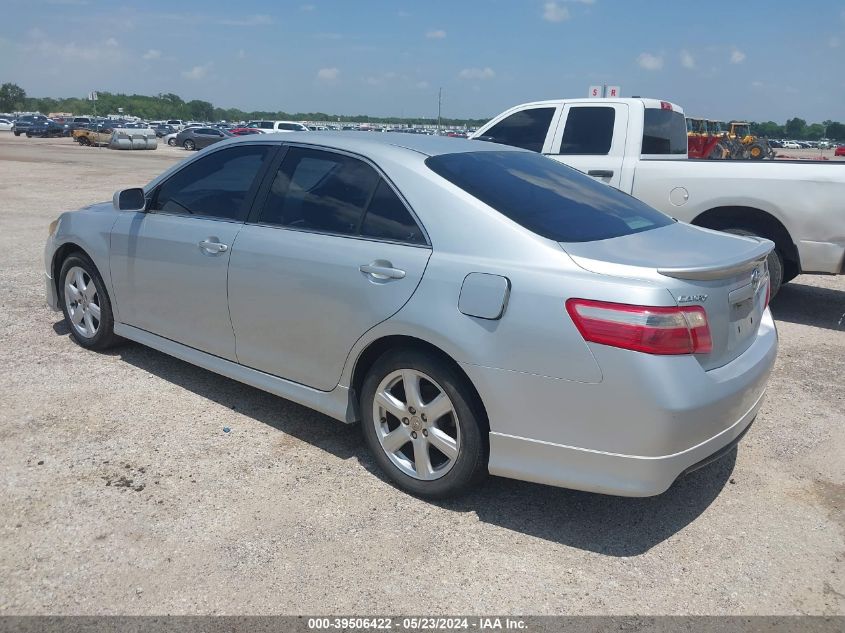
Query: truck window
x: 664, y: 132
x: 547, y: 197
x: 526, y: 129
x: 589, y: 130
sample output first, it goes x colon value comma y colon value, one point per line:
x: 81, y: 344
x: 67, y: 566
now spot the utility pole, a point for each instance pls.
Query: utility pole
x: 439, y: 103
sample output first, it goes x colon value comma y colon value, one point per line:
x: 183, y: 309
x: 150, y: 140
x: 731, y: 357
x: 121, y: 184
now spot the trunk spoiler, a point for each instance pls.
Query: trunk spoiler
x: 720, y: 270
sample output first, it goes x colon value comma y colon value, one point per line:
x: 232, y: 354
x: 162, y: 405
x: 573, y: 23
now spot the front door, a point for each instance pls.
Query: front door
x: 169, y: 265
x: 333, y: 252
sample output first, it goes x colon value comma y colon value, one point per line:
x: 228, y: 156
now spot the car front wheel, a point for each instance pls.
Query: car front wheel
x: 423, y: 425
x: 171, y: 142
x: 86, y: 304
x: 189, y: 145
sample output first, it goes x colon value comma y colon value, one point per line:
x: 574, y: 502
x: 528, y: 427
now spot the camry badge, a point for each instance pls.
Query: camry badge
x: 692, y: 298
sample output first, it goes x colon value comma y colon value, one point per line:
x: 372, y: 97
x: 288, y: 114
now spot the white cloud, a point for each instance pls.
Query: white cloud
x: 687, y: 60
x: 307, y: 7
x: 757, y: 84
x: 111, y: 42
x: 422, y: 85
x: 241, y: 54
x: 39, y: 43
x: 477, y: 73
x: 650, y: 62
x: 436, y: 34
x: 249, y: 20
x: 197, y: 72
x: 328, y: 74
x: 151, y: 54
x: 737, y: 56
x: 378, y: 80
x: 553, y: 12
x: 834, y: 42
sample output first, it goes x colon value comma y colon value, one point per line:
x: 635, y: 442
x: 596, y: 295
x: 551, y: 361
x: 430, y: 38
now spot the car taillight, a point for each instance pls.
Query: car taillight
x: 649, y: 329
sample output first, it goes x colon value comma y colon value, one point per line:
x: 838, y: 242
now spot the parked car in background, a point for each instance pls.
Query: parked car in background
x: 244, y: 131
x: 839, y: 151
x: 5, y: 125
x: 46, y: 128
x: 170, y: 139
x: 178, y: 124
x: 791, y: 145
x: 95, y: 134
x: 278, y: 126
x: 23, y: 123
x: 163, y: 130
x: 583, y: 340
x: 775, y: 144
x: 200, y: 137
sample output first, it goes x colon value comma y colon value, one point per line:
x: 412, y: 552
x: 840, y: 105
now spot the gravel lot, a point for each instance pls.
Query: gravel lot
x: 121, y: 494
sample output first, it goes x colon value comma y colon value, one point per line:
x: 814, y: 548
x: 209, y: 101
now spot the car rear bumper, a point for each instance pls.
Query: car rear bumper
x: 634, y: 433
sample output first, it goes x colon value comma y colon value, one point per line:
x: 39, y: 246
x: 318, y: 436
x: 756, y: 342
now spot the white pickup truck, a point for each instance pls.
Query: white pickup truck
x: 640, y: 146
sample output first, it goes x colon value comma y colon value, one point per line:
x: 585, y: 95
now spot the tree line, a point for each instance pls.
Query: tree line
x: 170, y: 106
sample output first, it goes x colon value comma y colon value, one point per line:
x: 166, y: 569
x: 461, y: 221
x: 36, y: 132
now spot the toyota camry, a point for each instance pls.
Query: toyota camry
x: 477, y: 308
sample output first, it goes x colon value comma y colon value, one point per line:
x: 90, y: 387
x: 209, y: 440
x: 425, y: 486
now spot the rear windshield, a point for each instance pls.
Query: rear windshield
x: 547, y: 197
x: 664, y: 132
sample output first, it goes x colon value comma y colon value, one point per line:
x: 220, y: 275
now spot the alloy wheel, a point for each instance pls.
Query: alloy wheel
x: 82, y: 302
x: 416, y: 424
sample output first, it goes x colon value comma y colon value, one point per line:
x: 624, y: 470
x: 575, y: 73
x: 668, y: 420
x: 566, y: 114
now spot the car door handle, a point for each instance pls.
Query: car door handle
x: 381, y: 269
x: 213, y: 247
x: 601, y: 173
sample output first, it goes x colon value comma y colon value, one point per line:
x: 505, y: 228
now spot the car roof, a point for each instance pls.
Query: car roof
x: 372, y: 143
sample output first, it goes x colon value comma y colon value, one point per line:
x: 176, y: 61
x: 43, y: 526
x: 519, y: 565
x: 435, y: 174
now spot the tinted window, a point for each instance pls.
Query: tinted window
x: 526, y: 129
x: 388, y: 218
x: 665, y: 132
x: 295, y: 127
x: 589, y: 130
x: 547, y: 197
x: 215, y: 185
x: 319, y: 191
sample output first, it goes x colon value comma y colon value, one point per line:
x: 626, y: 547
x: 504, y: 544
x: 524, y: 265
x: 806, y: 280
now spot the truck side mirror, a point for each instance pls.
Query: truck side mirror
x: 130, y: 200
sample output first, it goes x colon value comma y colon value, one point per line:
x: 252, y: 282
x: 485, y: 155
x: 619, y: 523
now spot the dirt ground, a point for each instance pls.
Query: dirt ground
x: 121, y: 493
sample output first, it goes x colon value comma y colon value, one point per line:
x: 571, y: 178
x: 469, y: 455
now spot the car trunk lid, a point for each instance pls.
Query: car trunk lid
x: 724, y: 274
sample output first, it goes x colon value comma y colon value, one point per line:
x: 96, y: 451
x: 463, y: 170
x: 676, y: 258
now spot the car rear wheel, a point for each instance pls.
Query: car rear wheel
x: 171, y: 142
x: 86, y: 304
x: 422, y: 424
x: 189, y: 144
x: 774, y: 261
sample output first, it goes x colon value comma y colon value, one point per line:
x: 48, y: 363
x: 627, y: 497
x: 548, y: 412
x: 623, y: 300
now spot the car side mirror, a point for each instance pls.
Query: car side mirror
x: 130, y: 200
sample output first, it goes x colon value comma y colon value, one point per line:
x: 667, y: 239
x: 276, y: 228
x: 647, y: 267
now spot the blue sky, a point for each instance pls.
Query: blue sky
x: 755, y: 59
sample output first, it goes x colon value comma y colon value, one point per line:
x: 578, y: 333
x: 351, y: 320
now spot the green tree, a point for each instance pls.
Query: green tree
x: 12, y: 97
x: 796, y: 128
x: 200, y: 110
x: 814, y: 132
x: 836, y: 131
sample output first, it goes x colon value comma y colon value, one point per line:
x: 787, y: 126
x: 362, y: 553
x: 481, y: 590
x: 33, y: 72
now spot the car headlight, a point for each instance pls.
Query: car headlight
x: 53, y: 226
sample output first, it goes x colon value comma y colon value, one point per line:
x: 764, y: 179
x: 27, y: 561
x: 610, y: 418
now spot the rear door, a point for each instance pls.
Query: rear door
x: 591, y: 138
x: 332, y: 251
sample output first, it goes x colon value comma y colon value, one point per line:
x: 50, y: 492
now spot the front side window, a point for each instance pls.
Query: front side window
x: 526, y: 129
x: 214, y: 186
x: 589, y: 130
x: 547, y: 197
x: 664, y: 132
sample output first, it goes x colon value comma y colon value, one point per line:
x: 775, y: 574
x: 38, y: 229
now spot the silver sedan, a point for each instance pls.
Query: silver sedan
x: 477, y: 308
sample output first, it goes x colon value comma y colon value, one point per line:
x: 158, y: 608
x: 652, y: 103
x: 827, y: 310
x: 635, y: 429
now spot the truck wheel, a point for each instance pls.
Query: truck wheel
x: 757, y: 151
x: 775, y: 261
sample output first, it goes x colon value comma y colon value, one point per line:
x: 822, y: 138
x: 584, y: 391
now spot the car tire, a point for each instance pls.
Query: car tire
x: 775, y: 261
x: 405, y: 435
x: 17, y: 133
x: 189, y: 145
x: 88, y: 312
x: 171, y: 142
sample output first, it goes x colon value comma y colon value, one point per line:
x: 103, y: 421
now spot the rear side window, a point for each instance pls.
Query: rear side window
x: 213, y: 186
x: 320, y: 191
x: 547, y: 197
x: 589, y: 130
x: 664, y: 132
x: 526, y: 129
x: 388, y: 218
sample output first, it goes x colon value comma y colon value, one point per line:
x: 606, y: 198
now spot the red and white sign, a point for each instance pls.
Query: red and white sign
x: 614, y: 92
x: 595, y: 92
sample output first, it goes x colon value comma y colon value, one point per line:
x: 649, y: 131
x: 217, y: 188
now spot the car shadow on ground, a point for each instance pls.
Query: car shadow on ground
x: 810, y: 305
x: 614, y: 526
